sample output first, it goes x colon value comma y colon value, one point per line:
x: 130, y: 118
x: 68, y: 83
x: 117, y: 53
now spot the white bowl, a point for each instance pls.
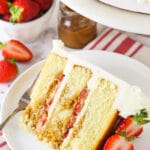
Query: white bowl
x: 28, y: 31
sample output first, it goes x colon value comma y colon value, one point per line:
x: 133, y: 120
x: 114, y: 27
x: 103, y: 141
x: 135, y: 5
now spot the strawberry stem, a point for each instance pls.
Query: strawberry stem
x: 15, y: 13
x: 141, y: 117
x: 131, y: 138
x: 12, y: 61
x: 1, y: 44
x: 9, y: 4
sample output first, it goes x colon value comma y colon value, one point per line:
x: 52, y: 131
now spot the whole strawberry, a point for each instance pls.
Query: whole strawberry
x: 8, y: 70
x: 4, y: 9
x: 24, y: 10
x: 44, y: 4
x: 133, y: 125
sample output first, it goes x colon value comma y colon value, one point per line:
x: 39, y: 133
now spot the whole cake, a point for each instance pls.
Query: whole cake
x: 74, y: 104
x: 141, y: 6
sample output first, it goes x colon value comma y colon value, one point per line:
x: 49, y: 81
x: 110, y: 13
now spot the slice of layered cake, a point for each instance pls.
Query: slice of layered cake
x: 74, y: 104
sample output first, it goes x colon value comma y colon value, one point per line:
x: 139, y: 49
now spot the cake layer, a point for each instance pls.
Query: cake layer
x: 97, y: 120
x: 42, y: 95
x: 59, y: 121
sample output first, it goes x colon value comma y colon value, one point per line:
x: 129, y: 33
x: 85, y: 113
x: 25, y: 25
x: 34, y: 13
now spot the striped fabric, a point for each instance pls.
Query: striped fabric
x: 3, y: 144
x: 114, y: 41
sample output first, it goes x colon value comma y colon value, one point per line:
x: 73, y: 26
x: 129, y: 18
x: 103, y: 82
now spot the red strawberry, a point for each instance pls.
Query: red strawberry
x: 6, y: 17
x: 17, y: 50
x: 44, y: 4
x: 4, y: 9
x: 24, y: 10
x: 71, y: 122
x: 8, y: 70
x: 42, y: 121
x: 133, y: 126
x: 117, y: 142
x: 80, y: 103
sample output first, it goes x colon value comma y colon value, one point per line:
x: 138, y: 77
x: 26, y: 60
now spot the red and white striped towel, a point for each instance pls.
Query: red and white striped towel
x: 114, y: 41
x: 3, y: 144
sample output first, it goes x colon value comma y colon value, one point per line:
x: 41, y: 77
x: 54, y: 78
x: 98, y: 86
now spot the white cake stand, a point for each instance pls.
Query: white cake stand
x: 112, y: 16
x: 133, y: 5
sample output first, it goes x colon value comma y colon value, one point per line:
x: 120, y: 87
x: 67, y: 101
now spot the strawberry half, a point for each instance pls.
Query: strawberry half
x: 8, y: 70
x: 133, y: 125
x: 4, y: 9
x: 118, y: 142
x: 24, y: 10
x: 17, y: 50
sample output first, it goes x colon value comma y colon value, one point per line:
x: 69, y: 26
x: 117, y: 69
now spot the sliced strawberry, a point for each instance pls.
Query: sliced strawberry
x: 133, y: 126
x: 60, y: 78
x: 84, y: 94
x: 24, y: 10
x: 42, y: 120
x: 8, y: 70
x: 44, y: 4
x: 4, y: 9
x: 117, y: 142
x: 70, y: 125
x: 65, y: 134
x: 80, y: 103
x: 17, y: 50
x: 71, y: 122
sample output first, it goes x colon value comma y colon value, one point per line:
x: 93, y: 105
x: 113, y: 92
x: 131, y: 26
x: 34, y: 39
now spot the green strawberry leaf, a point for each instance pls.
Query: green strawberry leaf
x: 131, y: 138
x: 15, y: 14
x: 12, y: 61
x: 141, y: 117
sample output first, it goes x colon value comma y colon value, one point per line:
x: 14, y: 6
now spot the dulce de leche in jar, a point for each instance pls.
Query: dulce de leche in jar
x: 73, y: 29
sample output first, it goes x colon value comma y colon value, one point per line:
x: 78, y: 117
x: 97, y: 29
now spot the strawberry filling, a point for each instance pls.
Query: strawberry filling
x: 77, y: 109
x: 44, y: 116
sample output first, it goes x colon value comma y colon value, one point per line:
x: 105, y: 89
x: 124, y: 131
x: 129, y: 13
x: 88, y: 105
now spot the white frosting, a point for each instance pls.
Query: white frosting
x: 131, y: 100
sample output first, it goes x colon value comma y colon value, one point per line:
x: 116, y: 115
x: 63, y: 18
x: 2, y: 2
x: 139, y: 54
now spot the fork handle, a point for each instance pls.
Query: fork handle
x: 7, y: 119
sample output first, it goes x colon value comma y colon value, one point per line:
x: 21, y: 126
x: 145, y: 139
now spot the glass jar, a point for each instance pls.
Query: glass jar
x: 73, y: 29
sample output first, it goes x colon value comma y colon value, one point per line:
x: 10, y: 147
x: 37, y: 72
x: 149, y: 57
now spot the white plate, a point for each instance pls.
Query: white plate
x: 111, y: 16
x: 132, y: 5
x: 124, y: 67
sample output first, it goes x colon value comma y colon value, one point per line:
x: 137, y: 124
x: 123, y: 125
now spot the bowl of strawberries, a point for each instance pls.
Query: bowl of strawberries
x: 25, y: 19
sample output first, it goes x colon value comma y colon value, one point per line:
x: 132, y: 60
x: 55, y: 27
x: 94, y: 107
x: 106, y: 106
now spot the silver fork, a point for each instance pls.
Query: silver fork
x: 24, y: 100
x: 21, y: 106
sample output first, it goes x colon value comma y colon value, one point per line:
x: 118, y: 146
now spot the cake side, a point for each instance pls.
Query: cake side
x: 59, y: 120
x: 43, y: 91
x: 97, y: 119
